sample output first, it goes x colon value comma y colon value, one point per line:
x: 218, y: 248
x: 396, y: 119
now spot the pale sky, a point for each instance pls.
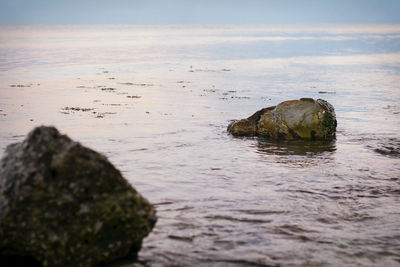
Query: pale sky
x: 200, y: 11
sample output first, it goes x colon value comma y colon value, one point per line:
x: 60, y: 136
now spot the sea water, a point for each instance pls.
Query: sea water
x: 156, y: 101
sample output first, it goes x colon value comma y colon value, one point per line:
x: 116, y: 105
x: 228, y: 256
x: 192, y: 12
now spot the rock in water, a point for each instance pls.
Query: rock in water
x: 294, y: 119
x: 63, y: 204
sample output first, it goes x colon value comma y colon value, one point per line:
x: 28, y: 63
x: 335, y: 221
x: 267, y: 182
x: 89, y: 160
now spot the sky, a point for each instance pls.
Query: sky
x: 199, y: 11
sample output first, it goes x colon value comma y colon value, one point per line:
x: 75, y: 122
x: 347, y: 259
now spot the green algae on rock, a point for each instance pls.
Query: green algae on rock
x: 294, y: 119
x: 63, y: 204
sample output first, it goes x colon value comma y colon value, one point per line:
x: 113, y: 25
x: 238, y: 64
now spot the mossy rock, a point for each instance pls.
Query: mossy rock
x: 62, y: 204
x: 294, y: 119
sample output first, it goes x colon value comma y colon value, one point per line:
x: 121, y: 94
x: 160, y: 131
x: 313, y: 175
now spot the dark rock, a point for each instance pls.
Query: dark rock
x: 294, y: 119
x: 62, y: 204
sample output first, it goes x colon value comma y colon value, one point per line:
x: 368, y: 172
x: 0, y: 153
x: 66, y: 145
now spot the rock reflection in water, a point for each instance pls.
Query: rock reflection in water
x: 298, y: 147
x: 299, y: 153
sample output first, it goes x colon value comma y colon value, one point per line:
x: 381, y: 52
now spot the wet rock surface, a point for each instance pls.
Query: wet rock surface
x: 62, y: 204
x: 294, y: 119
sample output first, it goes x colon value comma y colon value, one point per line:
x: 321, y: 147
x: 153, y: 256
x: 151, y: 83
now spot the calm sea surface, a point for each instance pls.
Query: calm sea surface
x: 157, y: 99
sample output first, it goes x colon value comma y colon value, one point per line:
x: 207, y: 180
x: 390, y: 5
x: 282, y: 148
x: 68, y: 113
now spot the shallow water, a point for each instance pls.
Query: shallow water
x: 225, y: 201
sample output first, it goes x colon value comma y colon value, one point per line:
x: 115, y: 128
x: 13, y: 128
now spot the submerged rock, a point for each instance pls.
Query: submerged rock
x: 62, y: 204
x: 294, y: 119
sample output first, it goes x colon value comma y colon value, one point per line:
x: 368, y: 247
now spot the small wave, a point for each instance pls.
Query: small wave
x: 163, y: 203
x: 387, y: 147
x: 262, y: 212
x: 182, y: 238
x: 235, y: 219
x: 293, y: 228
x: 383, y: 145
x: 238, y: 262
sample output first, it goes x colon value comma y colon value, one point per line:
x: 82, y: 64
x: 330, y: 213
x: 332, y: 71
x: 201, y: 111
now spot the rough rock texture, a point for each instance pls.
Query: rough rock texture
x: 294, y: 119
x: 63, y: 204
